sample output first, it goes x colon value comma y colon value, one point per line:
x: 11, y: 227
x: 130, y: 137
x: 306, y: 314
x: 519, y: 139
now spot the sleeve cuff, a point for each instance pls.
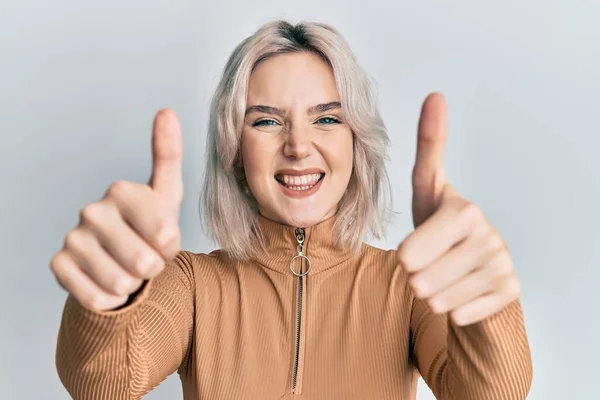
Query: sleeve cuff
x: 109, y: 320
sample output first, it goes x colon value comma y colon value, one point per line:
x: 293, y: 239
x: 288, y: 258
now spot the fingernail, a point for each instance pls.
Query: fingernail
x: 123, y: 287
x: 421, y: 287
x: 148, y: 264
x: 438, y: 306
x: 460, y: 319
x: 98, y: 301
x: 166, y: 234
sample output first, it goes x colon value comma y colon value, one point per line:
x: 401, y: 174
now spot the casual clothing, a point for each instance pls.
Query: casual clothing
x: 350, y: 328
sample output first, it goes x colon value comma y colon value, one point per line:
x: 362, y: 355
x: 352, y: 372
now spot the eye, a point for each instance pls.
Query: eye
x: 265, y: 122
x: 328, y: 121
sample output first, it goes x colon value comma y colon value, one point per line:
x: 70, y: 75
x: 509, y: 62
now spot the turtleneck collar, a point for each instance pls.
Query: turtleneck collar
x: 281, y: 246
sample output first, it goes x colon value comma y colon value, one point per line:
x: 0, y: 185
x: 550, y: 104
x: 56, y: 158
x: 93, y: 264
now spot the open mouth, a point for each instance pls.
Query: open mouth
x: 299, y: 182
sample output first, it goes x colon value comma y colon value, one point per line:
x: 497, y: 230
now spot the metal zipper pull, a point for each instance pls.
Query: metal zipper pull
x: 300, y: 239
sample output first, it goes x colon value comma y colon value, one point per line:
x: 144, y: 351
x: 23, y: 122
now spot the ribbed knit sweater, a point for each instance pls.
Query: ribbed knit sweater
x: 349, y: 328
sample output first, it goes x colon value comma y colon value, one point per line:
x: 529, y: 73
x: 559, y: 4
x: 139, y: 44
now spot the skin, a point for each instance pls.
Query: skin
x: 295, y: 139
x: 126, y: 236
x: 455, y: 258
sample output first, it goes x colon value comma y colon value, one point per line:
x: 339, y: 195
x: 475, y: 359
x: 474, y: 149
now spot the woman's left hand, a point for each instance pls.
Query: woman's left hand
x: 455, y: 258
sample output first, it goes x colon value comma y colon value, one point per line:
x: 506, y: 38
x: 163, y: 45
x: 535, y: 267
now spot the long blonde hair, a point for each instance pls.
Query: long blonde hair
x: 228, y: 208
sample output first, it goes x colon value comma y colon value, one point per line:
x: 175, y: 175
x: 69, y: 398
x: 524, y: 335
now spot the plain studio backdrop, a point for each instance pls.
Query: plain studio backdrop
x: 80, y: 83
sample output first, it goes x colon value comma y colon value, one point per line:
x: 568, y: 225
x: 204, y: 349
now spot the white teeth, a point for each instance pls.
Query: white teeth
x: 300, y: 182
x: 299, y: 188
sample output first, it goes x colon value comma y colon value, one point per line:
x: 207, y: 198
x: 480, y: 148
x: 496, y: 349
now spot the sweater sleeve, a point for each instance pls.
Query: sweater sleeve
x: 487, y: 360
x: 123, y: 354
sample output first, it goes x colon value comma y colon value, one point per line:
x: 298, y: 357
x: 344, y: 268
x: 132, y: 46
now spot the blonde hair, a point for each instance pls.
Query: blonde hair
x: 229, y: 210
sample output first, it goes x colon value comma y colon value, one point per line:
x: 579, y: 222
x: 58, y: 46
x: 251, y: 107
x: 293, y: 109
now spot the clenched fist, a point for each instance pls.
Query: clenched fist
x: 127, y: 236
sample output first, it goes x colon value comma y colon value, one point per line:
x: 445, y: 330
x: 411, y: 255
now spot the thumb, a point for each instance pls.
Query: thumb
x: 429, y: 178
x: 167, y: 157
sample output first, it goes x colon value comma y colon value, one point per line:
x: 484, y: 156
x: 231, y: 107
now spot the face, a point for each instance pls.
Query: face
x: 296, y: 146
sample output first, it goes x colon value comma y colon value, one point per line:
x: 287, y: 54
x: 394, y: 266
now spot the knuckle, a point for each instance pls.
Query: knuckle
x: 455, y: 203
x: 73, y: 239
x: 494, y: 242
x: 91, y: 213
x: 471, y: 212
x: 515, y: 287
x: 504, y: 268
x: 167, y: 237
x: 470, y: 216
x: 57, y: 265
x: 57, y: 262
x: 118, y: 188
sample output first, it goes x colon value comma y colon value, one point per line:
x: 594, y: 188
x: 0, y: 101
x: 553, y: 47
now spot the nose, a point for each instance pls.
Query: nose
x: 297, y: 144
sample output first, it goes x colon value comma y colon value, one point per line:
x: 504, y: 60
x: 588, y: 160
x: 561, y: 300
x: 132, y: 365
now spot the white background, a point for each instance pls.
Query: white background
x: 80, y: 82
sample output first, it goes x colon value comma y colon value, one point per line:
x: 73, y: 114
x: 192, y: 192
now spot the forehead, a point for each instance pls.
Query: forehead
x: 292, y: 80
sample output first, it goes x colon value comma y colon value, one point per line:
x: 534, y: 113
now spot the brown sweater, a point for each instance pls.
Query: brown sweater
x: 348, y: 329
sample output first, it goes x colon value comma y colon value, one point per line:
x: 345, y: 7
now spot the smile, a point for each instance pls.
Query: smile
x: 299, y: 185
x: 299, y: 182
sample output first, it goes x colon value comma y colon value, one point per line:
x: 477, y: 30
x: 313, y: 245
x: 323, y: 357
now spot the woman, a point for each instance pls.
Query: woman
x: 295, y: 303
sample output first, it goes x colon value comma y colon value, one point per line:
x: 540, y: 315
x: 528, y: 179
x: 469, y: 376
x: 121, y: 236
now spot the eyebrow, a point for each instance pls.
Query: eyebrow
x: 319, y: 108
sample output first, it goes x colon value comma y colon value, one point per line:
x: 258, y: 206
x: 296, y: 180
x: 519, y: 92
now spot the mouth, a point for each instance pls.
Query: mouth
x: 299, y: 183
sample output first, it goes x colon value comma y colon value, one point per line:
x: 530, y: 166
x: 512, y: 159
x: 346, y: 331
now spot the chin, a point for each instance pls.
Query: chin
x: 303, y: 220
x: 303, y: 217
x: 297, y: 209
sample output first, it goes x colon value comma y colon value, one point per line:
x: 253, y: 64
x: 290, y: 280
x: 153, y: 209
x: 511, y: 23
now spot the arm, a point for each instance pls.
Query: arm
x: 487, y: 360
x: 125, y: 353
x: 468, y: 336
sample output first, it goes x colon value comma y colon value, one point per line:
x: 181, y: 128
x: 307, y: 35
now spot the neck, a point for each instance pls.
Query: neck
x: 297, y: 223
x: 319, y: 245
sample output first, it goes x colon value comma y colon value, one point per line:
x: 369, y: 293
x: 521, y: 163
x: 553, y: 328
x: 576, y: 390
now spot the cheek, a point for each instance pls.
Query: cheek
x: 256, y: 159
x: 343, y: 158
x: 250, y: 154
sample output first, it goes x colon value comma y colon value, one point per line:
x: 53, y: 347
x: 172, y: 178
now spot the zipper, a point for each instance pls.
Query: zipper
x: 300, y: 239
x: 298, y: 323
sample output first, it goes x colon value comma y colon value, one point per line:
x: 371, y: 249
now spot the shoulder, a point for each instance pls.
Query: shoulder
x: 386, y: 275
x: 214, y: 259
x: 200, y: 269
x: 378, y: 255
x: 385, y: 261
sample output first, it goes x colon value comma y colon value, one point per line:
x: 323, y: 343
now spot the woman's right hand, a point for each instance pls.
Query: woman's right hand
x: 127, y: 236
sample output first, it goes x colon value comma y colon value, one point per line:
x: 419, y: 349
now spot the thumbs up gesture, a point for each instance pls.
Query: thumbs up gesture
x: 127, y: 236
x: 455, y: 258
